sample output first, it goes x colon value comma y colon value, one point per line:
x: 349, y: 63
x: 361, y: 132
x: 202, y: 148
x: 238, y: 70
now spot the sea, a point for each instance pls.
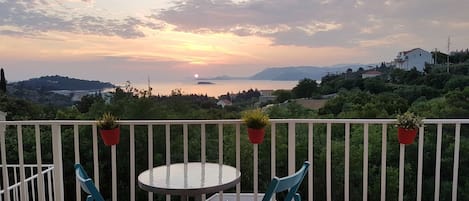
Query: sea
x: 213, y: 88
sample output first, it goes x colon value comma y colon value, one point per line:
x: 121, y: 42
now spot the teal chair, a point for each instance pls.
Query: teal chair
x: 290, y: 183
x: 87, y: 184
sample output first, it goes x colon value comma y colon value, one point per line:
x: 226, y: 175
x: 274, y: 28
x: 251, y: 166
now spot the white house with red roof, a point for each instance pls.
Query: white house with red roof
x: 413, y: 58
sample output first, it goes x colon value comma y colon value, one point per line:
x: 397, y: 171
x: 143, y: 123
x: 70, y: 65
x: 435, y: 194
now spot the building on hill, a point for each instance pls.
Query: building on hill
x: 224, y: 102
x: 371, y: 73
x: 413, y: 58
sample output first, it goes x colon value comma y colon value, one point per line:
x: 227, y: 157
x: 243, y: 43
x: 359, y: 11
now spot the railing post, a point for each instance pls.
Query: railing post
x: 291, y: 147
x: 4, y: 155
x: 57, y: 157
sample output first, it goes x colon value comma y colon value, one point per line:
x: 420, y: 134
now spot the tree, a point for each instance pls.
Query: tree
x: 3, y: 82
x: 305, y: 88
x: 282, y: 95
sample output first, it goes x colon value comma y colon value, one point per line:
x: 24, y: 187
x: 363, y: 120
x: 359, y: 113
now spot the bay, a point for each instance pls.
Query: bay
x: 219, y: 87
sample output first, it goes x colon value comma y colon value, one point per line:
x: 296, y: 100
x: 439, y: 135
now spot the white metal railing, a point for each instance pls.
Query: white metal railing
x: 36, y: 186
x: 293, y: 131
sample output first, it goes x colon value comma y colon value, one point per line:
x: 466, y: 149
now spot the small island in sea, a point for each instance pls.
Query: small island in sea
x: 205, y: 82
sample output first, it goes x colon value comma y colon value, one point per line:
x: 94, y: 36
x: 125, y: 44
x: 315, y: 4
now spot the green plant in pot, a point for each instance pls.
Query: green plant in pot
x: 408, y: 125
x: 109, y: 129
x: 256, y: 121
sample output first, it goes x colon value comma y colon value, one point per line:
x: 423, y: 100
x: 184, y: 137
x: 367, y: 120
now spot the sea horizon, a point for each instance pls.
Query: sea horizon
x: 215, y: 89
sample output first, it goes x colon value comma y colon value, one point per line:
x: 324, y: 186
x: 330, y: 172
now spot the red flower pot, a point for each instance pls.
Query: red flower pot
x: 110, y: 137
x: 256, y: 136
x: 406, y: 136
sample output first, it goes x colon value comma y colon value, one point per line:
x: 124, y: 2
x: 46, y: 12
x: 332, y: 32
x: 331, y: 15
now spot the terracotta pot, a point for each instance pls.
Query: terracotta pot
x: 110, y: 137
x: 406, y: 136
x: 256, y: 136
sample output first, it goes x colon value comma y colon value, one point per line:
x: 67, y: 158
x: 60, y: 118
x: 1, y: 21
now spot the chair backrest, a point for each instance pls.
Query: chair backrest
x: 290, y: 183
x: 87, y: 184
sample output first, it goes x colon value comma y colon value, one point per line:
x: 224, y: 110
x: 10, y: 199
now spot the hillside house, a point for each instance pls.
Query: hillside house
x: 224, y: 102
x: 372, y: 73
x: 266, y: 96
x: 413, y: 58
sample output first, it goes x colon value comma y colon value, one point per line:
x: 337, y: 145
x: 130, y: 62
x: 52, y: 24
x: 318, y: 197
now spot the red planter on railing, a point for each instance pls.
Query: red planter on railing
x: 256, y: 136
x: 406, y: 136
x: 110, y: 137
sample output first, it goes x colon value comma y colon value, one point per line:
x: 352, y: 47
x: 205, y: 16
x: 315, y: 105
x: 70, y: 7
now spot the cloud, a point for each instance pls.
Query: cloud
x: 316, y: 23
x: 34, y: 18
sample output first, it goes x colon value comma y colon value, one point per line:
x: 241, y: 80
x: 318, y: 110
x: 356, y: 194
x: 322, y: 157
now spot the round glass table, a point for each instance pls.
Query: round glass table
x: 189, y: 179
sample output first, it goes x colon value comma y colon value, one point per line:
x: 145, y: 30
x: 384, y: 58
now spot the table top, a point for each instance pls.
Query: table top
x: 191, y: 179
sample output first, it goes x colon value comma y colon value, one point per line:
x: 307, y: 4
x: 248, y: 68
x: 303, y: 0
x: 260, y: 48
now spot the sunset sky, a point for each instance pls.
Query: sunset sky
x: 119, y: 40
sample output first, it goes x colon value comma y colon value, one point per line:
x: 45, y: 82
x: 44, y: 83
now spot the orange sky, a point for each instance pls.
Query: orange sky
x: 170, y: 40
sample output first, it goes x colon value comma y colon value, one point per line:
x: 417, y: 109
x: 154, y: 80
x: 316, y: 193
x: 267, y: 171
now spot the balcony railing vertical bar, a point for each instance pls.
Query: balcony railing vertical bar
x: 401, y: 172
x: 49, y: 181
x: 132, y: 162
x: 58, y: 162
x: 3, y: 154
x: 113, y: 173
x: 220, y: 152
x: 16, y: 192
x: 238, y: 158
x: 291, y: 147
x: 347, y: 163
x: 203, y: 148
x: 255, y: 170
x: 185, y: 143
x: 328, y: 161
x: 457, y: 140
x: 272, y: 150
x: 23, y: 187
x: 168, y: 149
x: 95, y: 156
x: 420, y: 163
x: 40, y: 184
x: 365, y: 161
x: 439, y: 134
x: 220, y: 144
x: 31, y: 172
x: 384, y: 142
x: 203, y: 143
x: 76, y: 146
x: 150, y: 156
x: 310, y: 159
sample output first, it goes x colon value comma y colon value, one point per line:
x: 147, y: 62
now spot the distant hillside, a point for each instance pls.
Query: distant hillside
x: 299, y: 73
x: 50, y: 83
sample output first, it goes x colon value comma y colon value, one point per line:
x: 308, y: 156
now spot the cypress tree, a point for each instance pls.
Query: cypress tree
x: 3, y: 82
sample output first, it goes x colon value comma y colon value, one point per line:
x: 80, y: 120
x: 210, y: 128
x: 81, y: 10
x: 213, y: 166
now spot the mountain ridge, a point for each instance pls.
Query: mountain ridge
x: 294, y: 73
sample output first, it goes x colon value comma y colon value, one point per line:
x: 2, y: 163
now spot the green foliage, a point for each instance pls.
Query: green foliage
x: 87, y: 101
x: 305, y: 88
x: 18, y: 109
x: 408, y: 120
x: 282, y: 95
x: 107, y: 122
x: 255, y: 118
x: 457, y: 82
